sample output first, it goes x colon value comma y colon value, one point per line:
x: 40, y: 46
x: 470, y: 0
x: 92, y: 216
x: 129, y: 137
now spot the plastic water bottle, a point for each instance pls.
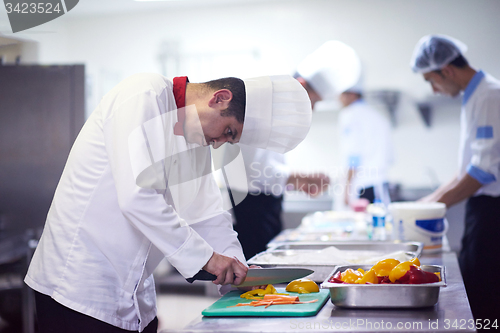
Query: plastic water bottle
x: 378, y: 214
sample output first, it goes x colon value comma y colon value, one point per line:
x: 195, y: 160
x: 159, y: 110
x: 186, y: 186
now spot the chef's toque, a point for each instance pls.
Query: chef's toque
x: 331, y: 70
x: 278, y: 113
x: 433, y: 52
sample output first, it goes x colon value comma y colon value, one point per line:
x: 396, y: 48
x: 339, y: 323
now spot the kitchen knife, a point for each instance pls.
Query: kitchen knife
x: 260, y: 276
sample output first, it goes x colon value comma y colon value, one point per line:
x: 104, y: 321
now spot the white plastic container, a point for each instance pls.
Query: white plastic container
x: 420, y: 222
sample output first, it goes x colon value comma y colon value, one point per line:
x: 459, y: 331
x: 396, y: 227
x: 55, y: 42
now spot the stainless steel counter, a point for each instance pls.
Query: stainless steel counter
x: 451, y: 314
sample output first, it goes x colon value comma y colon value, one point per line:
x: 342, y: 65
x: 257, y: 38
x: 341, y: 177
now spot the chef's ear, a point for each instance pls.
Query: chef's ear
x: 221, y: 98
x: 448, y: 71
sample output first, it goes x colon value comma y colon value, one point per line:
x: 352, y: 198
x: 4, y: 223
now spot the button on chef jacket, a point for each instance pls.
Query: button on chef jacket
x: 479, y: 153
x: 107, y: 230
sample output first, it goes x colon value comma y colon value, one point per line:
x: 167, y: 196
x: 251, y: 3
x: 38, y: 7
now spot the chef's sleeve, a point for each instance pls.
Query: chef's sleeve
x: 207, y: 217
x: 485, y: 141
x: 218, y: 232
x: 146, y: 208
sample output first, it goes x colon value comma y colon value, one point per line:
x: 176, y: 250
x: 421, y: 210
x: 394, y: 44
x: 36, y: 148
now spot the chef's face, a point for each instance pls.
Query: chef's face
x: 313, y: 95
x: 347, y: 98
x: 209, y: 126
x: 442, y: 83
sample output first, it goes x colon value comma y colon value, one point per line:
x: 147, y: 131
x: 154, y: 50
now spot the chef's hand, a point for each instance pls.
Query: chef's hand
x: 312, y: 184
x: 433, y: 197
x: 228, y: 270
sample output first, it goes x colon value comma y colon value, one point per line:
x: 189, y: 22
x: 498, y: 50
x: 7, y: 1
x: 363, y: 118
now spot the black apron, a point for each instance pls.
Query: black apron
x: 479, y: 258
x: 258, y: 220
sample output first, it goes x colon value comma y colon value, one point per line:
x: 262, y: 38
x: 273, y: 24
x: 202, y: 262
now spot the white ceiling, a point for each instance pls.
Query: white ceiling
x: 108, y: 7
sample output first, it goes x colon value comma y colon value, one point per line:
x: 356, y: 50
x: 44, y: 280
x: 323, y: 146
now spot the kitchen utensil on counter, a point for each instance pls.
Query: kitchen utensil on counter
x: 221, y: 307
x: 384, y: 295
x: 260, y: 276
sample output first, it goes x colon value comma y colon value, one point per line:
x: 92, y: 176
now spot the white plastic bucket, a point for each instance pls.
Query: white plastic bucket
x: 420, y: 222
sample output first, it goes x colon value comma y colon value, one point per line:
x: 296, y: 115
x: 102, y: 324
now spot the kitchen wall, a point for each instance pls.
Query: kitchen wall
x: 250, y: 38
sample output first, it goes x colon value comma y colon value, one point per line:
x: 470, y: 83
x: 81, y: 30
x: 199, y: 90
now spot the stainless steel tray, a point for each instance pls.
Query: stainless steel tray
x: 347, y: 234
x: 287, y: 251
x: 384, y: 295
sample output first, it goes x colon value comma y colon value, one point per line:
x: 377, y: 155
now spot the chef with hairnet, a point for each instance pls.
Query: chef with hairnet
x: 440, y: 60
x: 334, y: 72
x: 137, y: 187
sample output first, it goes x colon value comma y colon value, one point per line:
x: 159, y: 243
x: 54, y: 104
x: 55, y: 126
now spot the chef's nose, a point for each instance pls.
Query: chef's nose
x: 218, y: 142
x: 435, y: 89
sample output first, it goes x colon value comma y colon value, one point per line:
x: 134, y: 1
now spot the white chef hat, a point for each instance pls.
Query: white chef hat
x: 332, y: 69
x: 433, y: 52
x: 278, y: 113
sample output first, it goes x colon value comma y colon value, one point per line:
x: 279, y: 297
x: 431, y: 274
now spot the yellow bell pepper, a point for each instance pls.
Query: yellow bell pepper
x: 259, y: 293
x: 398, y: 271
x: 351, y: 276
x: 302, y: 286
x: 384, y: 267
x: 369, y: 277
x: 415, y: 261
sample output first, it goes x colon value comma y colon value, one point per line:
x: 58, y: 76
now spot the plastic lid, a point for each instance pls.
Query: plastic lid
x: 418, y: 209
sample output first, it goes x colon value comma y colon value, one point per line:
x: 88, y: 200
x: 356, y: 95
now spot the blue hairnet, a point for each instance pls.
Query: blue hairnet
x: 433, y: 52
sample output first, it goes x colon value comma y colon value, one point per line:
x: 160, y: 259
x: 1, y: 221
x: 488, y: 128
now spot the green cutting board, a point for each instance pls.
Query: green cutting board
x: 220, y: 307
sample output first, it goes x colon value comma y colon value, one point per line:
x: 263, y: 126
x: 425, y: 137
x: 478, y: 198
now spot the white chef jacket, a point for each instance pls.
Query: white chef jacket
x: 365, y: 144
x: 104, y: 234
x: 267, y: 171
x: 479, y: 153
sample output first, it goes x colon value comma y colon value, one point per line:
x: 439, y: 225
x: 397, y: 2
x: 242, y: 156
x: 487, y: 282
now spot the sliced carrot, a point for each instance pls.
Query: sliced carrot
x: 313, y: 301
x: 281, y: 298
x: 274, y: 301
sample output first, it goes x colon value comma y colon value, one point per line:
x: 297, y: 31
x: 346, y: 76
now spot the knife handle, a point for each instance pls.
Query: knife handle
x: 202, y: 275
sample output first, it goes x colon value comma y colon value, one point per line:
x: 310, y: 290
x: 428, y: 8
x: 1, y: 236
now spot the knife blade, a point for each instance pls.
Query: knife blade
x: 263, y: 276
x: 260, y: 276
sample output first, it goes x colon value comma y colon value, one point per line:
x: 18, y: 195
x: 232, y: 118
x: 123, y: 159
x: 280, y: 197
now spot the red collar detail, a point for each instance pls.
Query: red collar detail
x: 179, y: 89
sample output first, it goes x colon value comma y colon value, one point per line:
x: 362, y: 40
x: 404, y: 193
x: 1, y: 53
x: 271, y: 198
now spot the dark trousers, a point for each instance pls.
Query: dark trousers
x: 368, y: 193
x: 258, y: 220
x: 478, y: 258
x: 54, y: 317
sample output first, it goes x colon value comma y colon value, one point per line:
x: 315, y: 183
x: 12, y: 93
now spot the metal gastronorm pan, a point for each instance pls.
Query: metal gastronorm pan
x: 321, y: 271
x: 384, y: 295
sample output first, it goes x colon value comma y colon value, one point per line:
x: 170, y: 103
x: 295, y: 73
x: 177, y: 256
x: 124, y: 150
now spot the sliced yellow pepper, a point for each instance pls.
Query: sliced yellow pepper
x: 369, y: 277
x: 398, y: 271
x: 259, y: 293
x: 302, y: 286
x: 384, y: 267
x: 351, y: 276
x: 415, y: 261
